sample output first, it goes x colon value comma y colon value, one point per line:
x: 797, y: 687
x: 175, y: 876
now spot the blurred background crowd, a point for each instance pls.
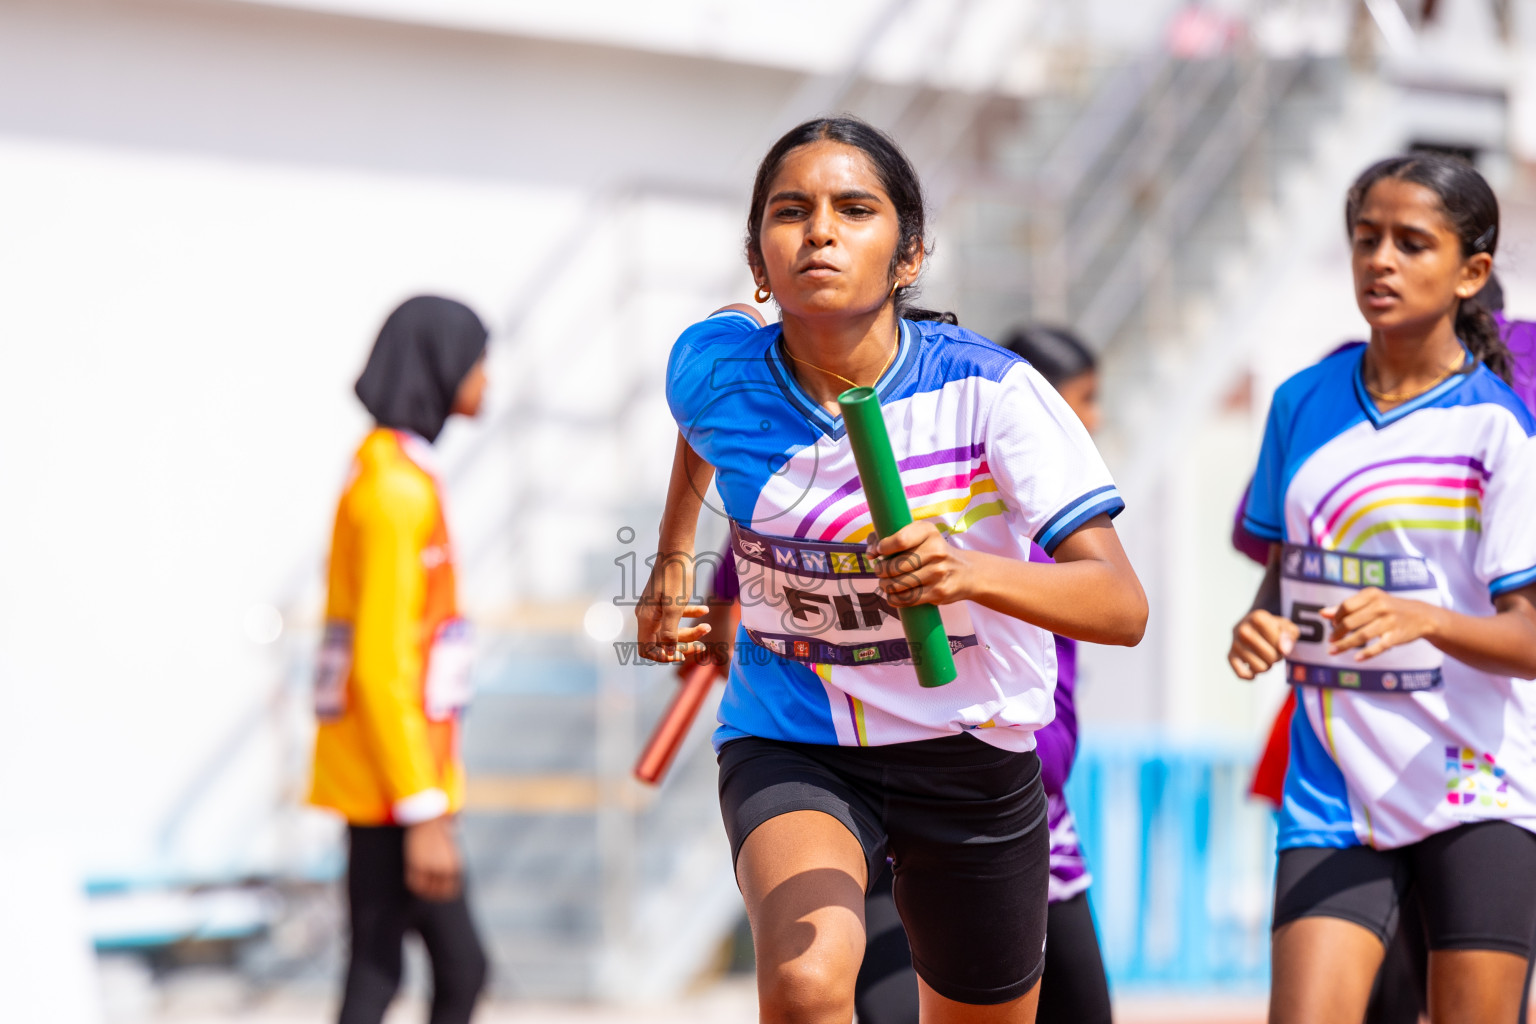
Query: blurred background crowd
x: 211, y: 205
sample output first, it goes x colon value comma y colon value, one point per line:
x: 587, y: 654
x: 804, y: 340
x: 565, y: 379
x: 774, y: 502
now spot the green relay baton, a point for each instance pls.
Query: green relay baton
x: 888, y: 508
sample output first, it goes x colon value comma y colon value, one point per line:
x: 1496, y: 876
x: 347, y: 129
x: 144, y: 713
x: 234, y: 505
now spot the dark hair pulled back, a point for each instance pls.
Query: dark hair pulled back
x: 1473, y: 212
x: 896, y: 176
x: 1056, y: 352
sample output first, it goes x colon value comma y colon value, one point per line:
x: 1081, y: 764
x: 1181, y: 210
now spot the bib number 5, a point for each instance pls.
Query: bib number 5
x: 1309, y: 620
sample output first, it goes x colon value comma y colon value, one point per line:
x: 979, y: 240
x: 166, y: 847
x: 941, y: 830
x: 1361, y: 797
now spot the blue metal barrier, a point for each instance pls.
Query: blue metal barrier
x: 1182, y: 861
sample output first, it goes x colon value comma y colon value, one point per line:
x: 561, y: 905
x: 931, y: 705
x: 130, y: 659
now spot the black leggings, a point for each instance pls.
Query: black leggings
x: 1073, y: 989
x: 382, y: 911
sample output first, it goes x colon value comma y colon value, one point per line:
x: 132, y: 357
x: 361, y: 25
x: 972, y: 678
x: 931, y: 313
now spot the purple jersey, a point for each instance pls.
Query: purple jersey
x: 1520, y: 337
x: 1056, y: 746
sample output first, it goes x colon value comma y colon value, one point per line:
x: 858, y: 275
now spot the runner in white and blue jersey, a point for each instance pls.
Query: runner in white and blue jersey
x: 1395, y: 485
x: 832, y: 756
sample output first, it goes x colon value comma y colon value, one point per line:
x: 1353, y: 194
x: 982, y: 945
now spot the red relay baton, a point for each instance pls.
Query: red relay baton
x: 669, y: 733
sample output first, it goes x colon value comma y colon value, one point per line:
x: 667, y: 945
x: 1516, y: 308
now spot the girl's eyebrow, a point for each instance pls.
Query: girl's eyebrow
x: 1412, y: 228
x: 840, y: 197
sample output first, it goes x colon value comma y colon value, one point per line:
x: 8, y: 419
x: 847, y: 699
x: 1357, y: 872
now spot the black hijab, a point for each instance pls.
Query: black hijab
x: 425, y: 350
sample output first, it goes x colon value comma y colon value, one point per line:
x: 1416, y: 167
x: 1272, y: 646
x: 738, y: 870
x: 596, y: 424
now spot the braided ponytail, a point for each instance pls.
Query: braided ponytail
x: 1473, y: 211
x: 1477, y: 328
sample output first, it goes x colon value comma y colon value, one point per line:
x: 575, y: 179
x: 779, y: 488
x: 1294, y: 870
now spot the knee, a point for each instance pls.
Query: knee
x: 808, y: 990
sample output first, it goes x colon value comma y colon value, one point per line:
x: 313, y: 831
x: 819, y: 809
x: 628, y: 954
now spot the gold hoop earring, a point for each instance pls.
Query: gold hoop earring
x: 762, y: 294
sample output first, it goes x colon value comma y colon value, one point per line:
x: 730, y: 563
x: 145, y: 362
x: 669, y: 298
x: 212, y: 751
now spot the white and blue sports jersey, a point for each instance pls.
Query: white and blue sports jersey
x: 987, y: 450
x: 1433, y: 498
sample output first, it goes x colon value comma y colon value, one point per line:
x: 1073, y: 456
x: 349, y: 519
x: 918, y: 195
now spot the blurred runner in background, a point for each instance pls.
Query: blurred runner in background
x: 394, y: 670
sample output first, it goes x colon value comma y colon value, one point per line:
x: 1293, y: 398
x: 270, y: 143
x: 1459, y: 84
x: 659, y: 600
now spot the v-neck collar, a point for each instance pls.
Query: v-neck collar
x: 828, y: 424
x: 1381, y: 419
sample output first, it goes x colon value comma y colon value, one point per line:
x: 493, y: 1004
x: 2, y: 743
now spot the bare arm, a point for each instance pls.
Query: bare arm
x: 1090, y: 593
x: 1262, y: 637
x: 1504, y: 643
x: 668, y: 594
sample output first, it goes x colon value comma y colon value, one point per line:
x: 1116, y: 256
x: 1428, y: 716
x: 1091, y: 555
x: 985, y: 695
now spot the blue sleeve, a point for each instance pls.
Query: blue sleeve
x: 690, y: 368
x: 1264, y: 512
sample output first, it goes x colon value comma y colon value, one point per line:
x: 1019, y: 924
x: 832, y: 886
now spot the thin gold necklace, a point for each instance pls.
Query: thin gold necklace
x: 895, y: 347
x: 1403, y: 396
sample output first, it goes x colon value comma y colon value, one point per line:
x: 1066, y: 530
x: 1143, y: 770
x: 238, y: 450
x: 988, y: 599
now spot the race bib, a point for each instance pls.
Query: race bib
x: 450, y: 661
x: 817, y: 601
x: 332, y: 668
x: 1312, y: 579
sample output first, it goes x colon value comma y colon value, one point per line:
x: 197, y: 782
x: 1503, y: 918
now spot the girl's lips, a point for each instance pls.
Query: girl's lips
x: 1380, y: 297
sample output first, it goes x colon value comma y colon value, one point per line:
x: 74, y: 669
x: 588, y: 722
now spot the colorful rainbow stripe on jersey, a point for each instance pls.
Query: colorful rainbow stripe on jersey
x: 1418, y: 492
x: 961, y: 495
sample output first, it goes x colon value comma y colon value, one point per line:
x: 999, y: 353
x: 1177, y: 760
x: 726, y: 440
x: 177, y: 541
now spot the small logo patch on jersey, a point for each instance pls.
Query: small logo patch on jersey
x: 784, y: 557
x: 802, y: 648
x: 1352, y: 571
x: 1312, y: 565
x: 1388, y: 681
x: 1333, y: 568
x: 1350, y: 680
x: 813, y: 561
x: 845, y: 561
x: 1299, y: 673
x: 1374, y: 573
x: 1472, y: 778
x: 866, y: 653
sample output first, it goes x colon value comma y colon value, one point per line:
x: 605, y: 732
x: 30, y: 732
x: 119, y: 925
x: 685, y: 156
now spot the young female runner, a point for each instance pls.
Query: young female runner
x: 831, y: 754
x: 1073, y: 989
x: 1395, y: 485
x: 393, y: 671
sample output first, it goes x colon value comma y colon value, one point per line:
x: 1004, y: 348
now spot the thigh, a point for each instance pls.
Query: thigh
x: 1478, y: 931
x: 802, y: 876
x: 1355, y: 884
x: 1073, y: 989
x: 379, y: 910
x: 764, y: 779
x: 378, y: 902
x: 971, y: 853
x: 1335, y: 911
x: 1321, y: 970
x: 1476, y: 886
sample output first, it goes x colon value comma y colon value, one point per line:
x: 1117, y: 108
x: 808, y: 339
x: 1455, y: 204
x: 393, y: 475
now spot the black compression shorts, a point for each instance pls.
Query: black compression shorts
x: 1451, y: 874
x: 963, y: 823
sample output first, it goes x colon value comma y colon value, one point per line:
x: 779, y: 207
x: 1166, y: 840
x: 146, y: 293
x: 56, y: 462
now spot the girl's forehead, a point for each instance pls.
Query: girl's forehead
x: 827, y: 164
x: 1395, y: 199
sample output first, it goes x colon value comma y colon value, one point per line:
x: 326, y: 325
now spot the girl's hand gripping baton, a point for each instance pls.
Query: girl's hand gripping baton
x: 888, y: 508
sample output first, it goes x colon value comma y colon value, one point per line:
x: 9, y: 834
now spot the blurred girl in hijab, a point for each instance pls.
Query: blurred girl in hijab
x: 393, y: 677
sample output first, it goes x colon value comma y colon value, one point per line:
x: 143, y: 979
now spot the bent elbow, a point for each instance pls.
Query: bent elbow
x: 1134, y: 628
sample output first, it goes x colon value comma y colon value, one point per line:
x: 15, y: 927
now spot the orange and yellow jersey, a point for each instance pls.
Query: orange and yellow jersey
x: 394, y: 665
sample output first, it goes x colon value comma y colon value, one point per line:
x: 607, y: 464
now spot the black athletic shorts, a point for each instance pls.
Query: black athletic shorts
x: 1475, y: 884
x: 963, y: 823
